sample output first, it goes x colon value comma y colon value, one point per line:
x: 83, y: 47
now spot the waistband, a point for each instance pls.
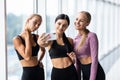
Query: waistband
x: 31, y: 67
x: 66, y: 68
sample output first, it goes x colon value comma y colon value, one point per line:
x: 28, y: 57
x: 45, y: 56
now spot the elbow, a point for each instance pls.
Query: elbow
x: 27, y: 58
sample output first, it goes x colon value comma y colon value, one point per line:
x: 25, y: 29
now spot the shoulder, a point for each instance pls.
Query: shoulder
x: 16, y: 40
x: 93, y: 37
x: 70, y: 40
x: 92, y: 34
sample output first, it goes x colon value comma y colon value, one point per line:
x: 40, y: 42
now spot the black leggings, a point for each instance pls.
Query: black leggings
x: 33, y: 73
x: 86, y: 72
x: 68, y: 73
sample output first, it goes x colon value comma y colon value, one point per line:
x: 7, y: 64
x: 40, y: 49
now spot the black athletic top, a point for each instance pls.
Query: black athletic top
x: 35, y: 49
x: 57, y: 51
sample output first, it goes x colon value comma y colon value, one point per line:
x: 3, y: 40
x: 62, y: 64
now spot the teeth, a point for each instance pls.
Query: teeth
x: 77, y: 25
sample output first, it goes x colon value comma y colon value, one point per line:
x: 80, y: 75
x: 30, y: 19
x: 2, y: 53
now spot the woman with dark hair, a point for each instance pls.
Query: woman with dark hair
x: 86, y: 49
x: 60, y: 51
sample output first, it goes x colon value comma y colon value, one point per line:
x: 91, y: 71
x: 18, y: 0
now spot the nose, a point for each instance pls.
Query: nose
x: 77, y: 21
x: 61, y: 26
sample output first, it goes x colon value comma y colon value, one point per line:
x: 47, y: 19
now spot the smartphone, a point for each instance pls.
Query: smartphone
x: 52, y: 36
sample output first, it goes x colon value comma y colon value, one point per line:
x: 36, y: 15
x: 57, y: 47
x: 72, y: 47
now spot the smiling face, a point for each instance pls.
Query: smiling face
x: 81, y: 21
x: 61, y: 25
x: 33, y: 23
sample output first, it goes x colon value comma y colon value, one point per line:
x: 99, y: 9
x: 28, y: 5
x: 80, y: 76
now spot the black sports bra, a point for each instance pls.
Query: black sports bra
x: 35, y: 49
x: 57, y: 51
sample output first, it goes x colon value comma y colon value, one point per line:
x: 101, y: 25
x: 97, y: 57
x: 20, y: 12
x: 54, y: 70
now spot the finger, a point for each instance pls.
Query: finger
x: 69, y: 54
x: 42, y: 35
x: 47, y: 37
x: 72, y: 52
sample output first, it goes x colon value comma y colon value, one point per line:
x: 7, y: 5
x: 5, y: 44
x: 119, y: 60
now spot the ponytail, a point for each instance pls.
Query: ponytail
x: 67, y: 43
x: 83, y: 39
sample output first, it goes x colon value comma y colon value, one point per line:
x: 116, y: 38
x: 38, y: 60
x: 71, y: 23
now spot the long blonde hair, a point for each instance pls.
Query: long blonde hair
x: 83, y: 39
x: 85, y: 32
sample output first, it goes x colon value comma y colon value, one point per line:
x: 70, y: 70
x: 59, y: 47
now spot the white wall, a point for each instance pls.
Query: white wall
x: 3, y: 69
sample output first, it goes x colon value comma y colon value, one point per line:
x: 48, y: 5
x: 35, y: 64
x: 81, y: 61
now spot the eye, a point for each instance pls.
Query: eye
x: 76, y: 19
x: 39, y: 24
x: 59, y: 23
x: 35, y: 22
x: 81, y: 20
x: 65, y: 25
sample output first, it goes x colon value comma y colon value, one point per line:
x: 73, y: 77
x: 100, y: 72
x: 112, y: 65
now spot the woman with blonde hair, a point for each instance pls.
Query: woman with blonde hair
x: 86, y: 49
x: 27, y: 49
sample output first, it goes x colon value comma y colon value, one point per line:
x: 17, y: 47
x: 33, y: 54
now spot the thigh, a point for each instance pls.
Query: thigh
x: 33, y: 73
x: 100, y: 73
x: 85, y: 71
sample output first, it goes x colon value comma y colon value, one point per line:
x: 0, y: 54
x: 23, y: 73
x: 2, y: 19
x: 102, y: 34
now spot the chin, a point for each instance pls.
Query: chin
x: 32, y: 30
x: 76, y: 28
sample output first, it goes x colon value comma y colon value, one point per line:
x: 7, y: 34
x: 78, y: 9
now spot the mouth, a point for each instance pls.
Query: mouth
x: 33, y: 30
x: 77, y: 25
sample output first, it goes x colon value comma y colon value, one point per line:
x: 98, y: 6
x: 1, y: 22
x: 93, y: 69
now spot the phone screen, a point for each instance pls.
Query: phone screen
x: 52, y: 36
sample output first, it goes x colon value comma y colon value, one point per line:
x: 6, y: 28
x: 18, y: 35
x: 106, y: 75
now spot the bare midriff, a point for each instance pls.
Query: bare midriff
x: 61, y: 62
x: 29, y: 63
x: 85, y: 60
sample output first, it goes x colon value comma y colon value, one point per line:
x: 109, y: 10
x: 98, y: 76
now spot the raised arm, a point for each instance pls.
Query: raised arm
x: 42, y: 53
x: 24, y: 50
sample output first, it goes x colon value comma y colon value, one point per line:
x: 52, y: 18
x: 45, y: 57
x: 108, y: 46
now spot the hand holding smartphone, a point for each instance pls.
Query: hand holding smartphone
x: 52, y: 36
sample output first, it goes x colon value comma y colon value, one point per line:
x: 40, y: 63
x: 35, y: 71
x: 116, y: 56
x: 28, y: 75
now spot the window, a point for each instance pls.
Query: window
x: 17, y: 11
